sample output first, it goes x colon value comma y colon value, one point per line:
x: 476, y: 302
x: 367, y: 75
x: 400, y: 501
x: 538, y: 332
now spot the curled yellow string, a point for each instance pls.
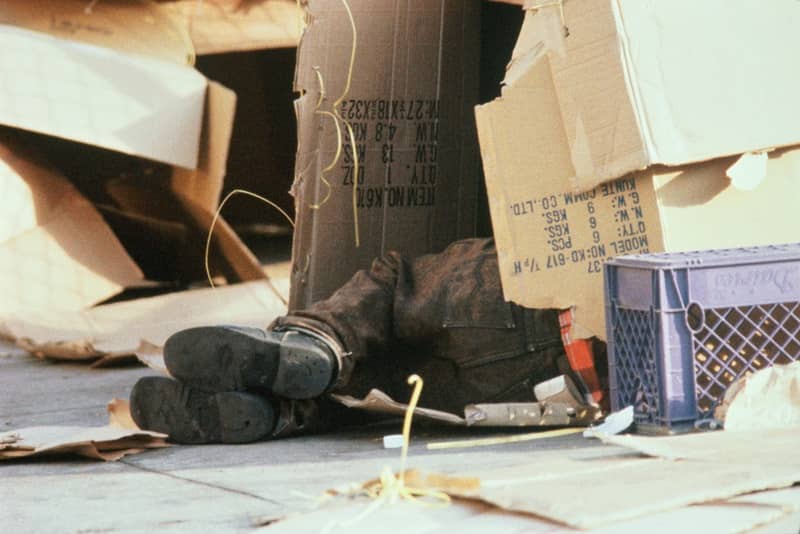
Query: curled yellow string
x: 346, y: 123
x: 333, y: 162
x: 390, y: 488
x: 217, y: 215
x: 338, y: 120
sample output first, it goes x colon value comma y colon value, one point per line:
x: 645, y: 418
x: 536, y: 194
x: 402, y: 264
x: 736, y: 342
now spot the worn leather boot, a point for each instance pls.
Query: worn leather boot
x: 288, y: 363
x: 191, y: 416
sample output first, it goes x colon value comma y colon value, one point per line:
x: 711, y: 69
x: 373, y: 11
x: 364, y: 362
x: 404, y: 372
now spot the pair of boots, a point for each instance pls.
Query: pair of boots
x: 234, y: 384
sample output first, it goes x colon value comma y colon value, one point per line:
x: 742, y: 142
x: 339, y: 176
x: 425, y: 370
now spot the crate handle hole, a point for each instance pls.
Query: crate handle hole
x: 695, y: 317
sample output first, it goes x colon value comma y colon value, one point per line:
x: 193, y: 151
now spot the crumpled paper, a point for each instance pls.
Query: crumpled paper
x: 769, y: 398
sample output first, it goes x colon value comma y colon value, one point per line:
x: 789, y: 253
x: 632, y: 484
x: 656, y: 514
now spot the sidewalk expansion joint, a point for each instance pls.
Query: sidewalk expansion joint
x: 201, y: 483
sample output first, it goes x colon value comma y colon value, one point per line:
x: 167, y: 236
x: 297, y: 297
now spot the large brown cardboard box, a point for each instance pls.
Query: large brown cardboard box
x: 409, y: 98
x: 663, y: 82
x: 552, y: 240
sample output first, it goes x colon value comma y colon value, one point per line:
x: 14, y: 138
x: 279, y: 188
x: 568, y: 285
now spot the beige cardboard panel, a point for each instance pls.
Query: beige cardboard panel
x: 218, y: 26
x: 599, y: 118
x: 549, y: 252
x: 700, y: 209
x: 31, y: 192
x: 124, y: 102
x: 121, y: 327
x: 641, y: 83
x: 129, y: 26
x: 71, y: 262
x: 588, y: 494
x: 551, y: 242
x: 57, y: 251
x: 708, y: 90
x: 204, y: 185
x: 739, y: 446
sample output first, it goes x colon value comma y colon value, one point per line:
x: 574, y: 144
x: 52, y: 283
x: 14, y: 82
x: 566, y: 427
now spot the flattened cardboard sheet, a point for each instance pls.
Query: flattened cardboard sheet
x: 56, y: 251
x: 129, y: 103
x: 120, y: 328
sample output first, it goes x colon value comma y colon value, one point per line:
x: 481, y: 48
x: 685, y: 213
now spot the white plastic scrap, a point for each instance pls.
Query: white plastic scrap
x: 614, y: 424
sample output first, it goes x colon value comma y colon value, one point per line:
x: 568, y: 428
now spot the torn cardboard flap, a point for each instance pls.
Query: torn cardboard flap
x: 119, y: 438
x: 100, y: 443
x: 748, y: 171
x: 128, y: 103
x: 552, y: 242
x: 204, y: 185
x: 642, y: 83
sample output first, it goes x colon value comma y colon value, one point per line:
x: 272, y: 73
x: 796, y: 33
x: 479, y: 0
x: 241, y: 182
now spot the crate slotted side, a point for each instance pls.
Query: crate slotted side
x: 683, y: 327
x: 735, y: 341
x: 636, y: 377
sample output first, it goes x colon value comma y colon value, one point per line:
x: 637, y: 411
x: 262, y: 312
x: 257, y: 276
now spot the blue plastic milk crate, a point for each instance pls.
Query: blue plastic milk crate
x: 682, y: 327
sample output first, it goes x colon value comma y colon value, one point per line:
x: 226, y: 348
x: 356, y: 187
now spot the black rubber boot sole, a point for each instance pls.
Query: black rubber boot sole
x: 191, y: 416
x: 228, y: 358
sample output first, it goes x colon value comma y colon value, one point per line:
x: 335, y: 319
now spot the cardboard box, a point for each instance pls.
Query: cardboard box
x: 552, y: 242
x: 665, y: 82
x: 582, y: 109
x: 62, y: 257
x: 409, y: 99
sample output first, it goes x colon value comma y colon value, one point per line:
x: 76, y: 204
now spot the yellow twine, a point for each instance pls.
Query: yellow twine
x: 338, y: 120
x: 503, y: 440
x: 347, y: 124
x: 391, y: 488
x: 217, y: 215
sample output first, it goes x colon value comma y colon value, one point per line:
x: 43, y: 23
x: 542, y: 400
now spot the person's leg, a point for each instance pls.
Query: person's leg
x: 301, y: 355
x: 287, y: 363
x: 442, y: 316
x: 238, y: 384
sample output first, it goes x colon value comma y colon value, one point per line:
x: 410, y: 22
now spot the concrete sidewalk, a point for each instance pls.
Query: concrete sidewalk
x: 214, y: 488
x: 191, y: 488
